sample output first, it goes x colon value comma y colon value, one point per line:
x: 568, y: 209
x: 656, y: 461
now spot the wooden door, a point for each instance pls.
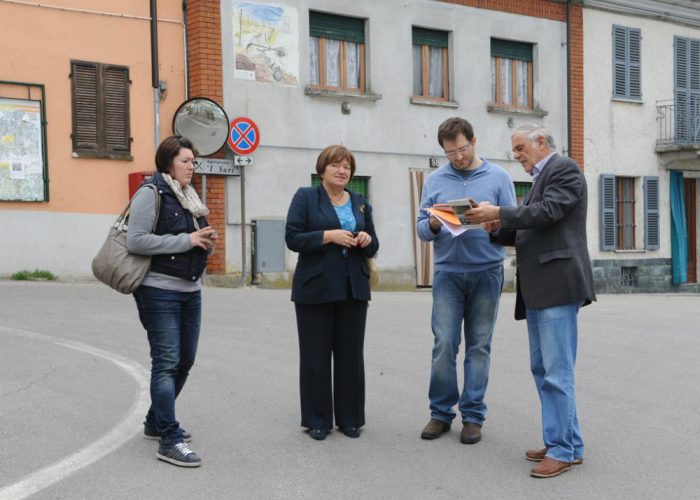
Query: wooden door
x: 422, y: 250
x: 690, y: 218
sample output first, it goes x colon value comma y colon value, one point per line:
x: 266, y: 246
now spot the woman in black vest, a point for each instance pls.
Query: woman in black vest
x: 169, y: 299
x: 333, y: 231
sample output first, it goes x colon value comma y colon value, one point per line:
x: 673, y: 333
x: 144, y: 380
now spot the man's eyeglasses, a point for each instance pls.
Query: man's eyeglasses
x: 460, y: 151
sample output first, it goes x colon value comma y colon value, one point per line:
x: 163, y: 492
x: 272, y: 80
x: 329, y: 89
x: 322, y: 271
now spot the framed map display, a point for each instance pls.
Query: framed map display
x: 22, y: 165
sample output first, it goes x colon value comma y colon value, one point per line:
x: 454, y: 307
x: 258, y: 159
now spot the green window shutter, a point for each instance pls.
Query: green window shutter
x: 521, y: 190
x: 350, y: 29
x: 607, y: 212
x: 651, y: 213
x: 433, y: 38
x: 85, y: 92
x: 359, y: 184
x: 116, y: 109
x: 511, y: 50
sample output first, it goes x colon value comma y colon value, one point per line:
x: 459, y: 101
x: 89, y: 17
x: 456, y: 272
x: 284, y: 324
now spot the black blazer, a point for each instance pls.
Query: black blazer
x: 549, y: 234
x: 323, y: 271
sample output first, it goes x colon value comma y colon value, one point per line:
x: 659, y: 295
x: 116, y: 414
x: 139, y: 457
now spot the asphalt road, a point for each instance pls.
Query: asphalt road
x: 73, y: 388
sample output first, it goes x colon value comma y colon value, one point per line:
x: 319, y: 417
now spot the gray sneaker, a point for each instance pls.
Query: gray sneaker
x: 150, y: 432
x: 179, y: 454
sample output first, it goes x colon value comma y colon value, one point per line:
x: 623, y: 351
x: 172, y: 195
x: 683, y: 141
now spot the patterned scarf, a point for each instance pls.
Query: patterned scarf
x: 188, y: 197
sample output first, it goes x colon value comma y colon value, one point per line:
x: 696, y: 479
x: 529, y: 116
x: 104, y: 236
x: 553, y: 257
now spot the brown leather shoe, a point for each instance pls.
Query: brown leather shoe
x: 471, y: 433
x: 549, y: 467
x: 434, y: 429
x: 538, y: 455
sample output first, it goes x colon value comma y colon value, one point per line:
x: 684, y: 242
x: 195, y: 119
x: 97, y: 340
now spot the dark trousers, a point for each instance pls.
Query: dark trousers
x: 337, y: 329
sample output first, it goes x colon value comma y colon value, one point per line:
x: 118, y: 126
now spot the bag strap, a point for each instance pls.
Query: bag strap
x: 121, y: 222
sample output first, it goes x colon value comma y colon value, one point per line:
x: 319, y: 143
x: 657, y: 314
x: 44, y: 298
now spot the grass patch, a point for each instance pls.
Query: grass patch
x: 36, y: 275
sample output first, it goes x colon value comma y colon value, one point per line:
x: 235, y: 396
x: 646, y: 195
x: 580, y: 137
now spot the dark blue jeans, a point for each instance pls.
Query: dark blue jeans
x: 172, y: 320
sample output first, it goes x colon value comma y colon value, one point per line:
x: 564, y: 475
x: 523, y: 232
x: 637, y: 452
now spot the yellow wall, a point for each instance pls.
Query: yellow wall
x: 37, y: 45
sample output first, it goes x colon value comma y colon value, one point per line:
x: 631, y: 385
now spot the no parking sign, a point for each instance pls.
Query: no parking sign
x: 244, y: 136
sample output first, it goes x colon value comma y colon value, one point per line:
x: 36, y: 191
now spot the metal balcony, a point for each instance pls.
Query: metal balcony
x: 678, y: 123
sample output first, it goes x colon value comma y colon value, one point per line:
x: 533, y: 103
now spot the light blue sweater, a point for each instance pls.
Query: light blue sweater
x: 471, y: 250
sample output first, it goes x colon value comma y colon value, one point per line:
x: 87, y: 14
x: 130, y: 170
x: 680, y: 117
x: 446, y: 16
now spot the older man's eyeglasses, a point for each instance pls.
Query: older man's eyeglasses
x: 460, y: 151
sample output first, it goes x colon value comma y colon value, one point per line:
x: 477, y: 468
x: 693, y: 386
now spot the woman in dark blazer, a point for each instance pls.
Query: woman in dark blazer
x: 332, y: 230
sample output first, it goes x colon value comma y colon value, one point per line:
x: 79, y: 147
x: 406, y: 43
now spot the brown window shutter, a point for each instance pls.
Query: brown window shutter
x: 85, y: 107
x: 116, y: 109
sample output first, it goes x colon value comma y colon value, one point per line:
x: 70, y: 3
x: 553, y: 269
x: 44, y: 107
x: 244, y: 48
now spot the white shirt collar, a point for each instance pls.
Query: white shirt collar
x: 537, y: 169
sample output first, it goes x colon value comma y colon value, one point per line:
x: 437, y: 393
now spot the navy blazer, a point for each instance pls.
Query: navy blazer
x: 549, y: 234
x: 323, y: 271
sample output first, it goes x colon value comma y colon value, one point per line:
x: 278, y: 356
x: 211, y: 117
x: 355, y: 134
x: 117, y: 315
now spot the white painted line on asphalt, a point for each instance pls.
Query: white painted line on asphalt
x: 115, y: 438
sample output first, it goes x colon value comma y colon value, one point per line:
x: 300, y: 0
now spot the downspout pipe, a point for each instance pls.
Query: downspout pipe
x: 568, y: 79
x: 155, y: 78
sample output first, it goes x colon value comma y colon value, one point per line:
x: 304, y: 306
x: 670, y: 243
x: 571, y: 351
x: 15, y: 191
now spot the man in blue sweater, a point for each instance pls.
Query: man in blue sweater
x: 467, y: 281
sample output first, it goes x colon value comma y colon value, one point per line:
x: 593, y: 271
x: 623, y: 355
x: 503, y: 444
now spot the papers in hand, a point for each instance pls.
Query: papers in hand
x: 445, y: 213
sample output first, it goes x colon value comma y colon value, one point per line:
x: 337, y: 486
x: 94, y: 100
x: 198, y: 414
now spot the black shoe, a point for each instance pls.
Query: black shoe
x: 351, y: 432
x: 318, y: 434
x: 471, y: 433
x: 434, y: 429
x: 150, y: 432
x: 179, y: 454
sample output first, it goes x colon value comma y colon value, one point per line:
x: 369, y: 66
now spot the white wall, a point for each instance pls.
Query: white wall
x: 390, y: 135
x: 63, y: 243
x: 620, y: 137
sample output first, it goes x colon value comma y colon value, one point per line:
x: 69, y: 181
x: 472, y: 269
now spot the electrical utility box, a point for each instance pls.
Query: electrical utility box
x: 269, y: 246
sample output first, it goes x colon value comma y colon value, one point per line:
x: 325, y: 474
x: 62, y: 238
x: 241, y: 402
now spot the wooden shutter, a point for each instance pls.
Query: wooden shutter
x: 116, y: 109
x: 85, y: 91
x: 651, y: 213
x: 627, y: 62
x: 607, y: 212
x: 687, y: 89
x: 634, y: 63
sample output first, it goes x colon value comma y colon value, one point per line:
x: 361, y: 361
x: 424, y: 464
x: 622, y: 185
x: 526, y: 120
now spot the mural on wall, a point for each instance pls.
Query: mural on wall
x: 265, y: 38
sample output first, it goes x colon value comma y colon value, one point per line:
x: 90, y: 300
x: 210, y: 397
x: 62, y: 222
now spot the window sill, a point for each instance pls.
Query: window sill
x: 627, y: 100
x: 423, y: 101
x: 102, y: 156
x: 633, y: 250
x: 314, y: 92
x: 497, y: 108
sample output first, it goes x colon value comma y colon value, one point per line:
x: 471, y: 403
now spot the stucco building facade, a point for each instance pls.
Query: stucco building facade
x: 642, y: 118
x: 78, y: 114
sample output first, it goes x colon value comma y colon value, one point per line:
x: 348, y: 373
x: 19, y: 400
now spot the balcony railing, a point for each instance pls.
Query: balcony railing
x: 678, y: 122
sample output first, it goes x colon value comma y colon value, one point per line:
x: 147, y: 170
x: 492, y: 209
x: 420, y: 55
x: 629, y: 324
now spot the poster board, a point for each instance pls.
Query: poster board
x: 22, y: 169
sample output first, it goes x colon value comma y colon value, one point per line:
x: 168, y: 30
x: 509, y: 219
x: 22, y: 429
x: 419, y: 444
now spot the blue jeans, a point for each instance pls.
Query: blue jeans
x: 172, y: 320
x: 553, y: 337
x: 470, y: 299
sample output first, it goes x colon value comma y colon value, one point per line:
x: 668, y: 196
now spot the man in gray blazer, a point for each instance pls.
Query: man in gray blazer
x: 554, y: 279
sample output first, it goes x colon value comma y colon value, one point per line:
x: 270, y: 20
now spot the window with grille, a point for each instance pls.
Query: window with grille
x: 626, y: 46
x: 521, y: 191
x: 359, y: 184
x: 624, y: 220
x: 511, y: 74
x: 100, y: 101
x: 430, y: 70
x: 618, y: 212
x: 337, y: 52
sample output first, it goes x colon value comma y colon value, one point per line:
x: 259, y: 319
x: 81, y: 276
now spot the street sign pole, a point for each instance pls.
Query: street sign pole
x: 243, y: 224
x: 243, y: 139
